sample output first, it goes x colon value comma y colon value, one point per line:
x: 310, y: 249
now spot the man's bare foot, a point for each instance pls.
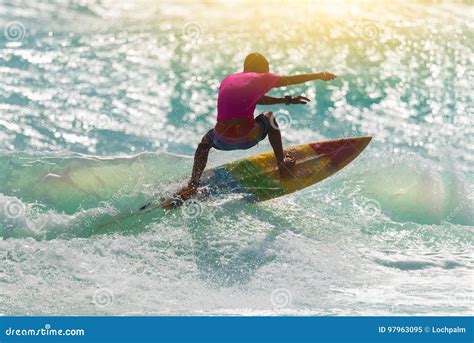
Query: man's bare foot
x: 181, y: 196
x: 188, y: 191
x: 286, y: 167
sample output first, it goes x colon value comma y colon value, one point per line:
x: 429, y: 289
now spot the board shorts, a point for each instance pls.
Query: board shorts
x: 257, y: 134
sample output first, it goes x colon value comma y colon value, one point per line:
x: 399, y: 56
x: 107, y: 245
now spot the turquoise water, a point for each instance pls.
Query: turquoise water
x: 102, y: 106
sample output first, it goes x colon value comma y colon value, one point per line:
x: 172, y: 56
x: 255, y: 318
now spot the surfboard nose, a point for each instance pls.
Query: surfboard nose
x: 342, y: 151
x: 359, y: 143
x: 352, y: 145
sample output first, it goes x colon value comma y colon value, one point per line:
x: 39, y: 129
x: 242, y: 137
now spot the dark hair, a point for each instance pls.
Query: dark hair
x: 256, y: 62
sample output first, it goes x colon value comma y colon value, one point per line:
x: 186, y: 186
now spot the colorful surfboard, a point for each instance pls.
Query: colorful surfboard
x: 258, y: 179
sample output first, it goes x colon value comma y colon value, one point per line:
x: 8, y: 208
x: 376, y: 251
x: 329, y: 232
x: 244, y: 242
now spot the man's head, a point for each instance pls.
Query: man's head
x: 256, y: 63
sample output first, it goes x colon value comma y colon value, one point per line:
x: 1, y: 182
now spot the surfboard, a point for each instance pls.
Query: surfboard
x: 257, y: 178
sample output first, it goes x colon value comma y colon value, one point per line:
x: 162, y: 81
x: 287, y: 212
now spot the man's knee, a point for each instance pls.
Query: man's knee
x: 272, y: 120
x: 268, y: 114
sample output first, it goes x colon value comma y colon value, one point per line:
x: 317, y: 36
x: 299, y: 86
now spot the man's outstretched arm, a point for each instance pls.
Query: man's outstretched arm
x: 297, y: 79
x: 269, y: 100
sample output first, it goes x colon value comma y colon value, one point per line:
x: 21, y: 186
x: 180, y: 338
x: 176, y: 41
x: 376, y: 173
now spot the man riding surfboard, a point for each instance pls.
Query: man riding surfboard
x: 236, y: 127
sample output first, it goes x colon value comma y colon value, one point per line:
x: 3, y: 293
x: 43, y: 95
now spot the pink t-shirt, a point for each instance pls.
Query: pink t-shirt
x: 239, y: 93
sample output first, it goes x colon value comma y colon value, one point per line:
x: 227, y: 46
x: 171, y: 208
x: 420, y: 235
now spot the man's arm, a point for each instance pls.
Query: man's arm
x: 269, y: 100
x: 296, y: 79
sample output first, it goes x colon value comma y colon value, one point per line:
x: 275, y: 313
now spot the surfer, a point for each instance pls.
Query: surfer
x: 236, y: 127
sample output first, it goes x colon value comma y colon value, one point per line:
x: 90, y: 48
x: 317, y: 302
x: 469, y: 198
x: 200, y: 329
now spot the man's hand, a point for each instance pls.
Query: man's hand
x: 325, y: 76
x: 299, y: 100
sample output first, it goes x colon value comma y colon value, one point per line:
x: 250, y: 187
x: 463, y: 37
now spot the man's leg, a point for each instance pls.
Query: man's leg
x: 284, y: 163
x: 200, y: 161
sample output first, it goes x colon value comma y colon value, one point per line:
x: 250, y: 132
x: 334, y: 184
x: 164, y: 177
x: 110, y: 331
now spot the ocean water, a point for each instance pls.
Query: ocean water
x: 102, y: 104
